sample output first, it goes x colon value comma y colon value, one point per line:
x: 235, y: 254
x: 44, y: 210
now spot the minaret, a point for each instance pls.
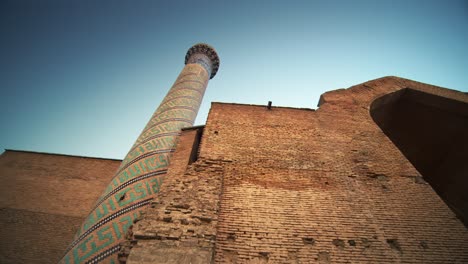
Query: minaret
x: 139, y: 177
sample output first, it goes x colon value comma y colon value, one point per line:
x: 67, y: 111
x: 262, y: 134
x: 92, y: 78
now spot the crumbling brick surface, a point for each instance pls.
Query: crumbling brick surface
x: 180, y: 226
x: 301, y: 186
x: 326, y: 186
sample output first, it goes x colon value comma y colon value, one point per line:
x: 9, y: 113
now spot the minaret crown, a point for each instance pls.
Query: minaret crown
x: 205, y: 55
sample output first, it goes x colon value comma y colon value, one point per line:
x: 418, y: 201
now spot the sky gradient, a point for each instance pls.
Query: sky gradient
x: 84, y: 77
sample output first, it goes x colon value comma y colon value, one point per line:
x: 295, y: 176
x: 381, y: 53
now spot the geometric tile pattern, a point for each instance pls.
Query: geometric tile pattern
x: 140, y: 176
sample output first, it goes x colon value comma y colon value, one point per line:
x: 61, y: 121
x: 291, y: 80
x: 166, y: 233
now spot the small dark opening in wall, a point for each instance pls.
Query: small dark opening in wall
x: 196, y: 146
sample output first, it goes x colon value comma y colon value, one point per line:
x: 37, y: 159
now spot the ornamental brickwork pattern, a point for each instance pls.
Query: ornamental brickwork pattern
x: 140, y: 176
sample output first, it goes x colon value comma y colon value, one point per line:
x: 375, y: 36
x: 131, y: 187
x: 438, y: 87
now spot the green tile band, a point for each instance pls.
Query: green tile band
x: 140, y: 175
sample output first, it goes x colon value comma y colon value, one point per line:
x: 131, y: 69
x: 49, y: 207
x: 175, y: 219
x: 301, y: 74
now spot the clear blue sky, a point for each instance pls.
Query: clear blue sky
x: 83, y: 77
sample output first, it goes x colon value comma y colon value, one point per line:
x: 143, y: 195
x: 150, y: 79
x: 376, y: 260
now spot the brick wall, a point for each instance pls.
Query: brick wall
x: 44, y: 198
x: 326, y: 186
x: 303, y: 186
x: 180, y: 226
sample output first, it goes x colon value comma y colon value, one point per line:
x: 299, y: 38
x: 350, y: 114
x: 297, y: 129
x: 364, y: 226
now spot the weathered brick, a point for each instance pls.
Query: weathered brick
x: 305, y: 186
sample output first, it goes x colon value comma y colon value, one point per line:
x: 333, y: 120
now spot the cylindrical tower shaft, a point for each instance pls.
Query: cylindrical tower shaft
x: 139, y: 177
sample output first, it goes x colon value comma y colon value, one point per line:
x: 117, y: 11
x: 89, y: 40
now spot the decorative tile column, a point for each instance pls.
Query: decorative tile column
x: 140, y: 176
